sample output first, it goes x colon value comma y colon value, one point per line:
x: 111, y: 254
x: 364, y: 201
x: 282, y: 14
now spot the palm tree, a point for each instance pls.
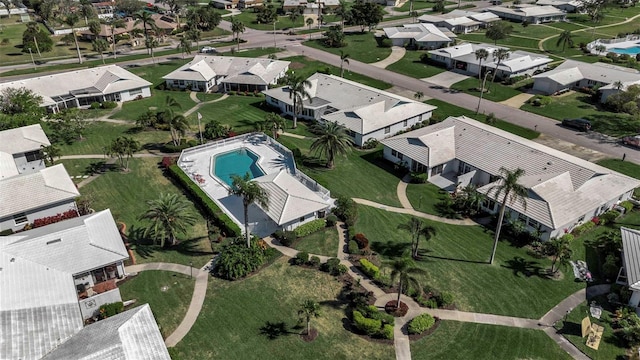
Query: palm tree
x: 273, y: 122
x: 564, y: 39
x: 418, y: 95
x: 87, y: 10
x: 121, y: 147
x: 344, y: 58
x: 115, y: 24
x: 618, y: 85
x: 148, y: 23
x: 178, y: 126
x: 169, y: 215
x: 184, y: 46
x: 332, y: 140
x: 297, y: 91
x: 473, y: 198
x: 152, y: 43
x: 417, y: 228
x: 481, y: 55
x: 600, y: 49
x: 250, y: 192
x: 71, y: 20
x: 560, y: 249
x: 341, y: 11
x: 512, y: 191
x: 499, y: 55
x: 194, y: 35
x: 50, y: 153
x: 403, y: 270
x: 309, y: 22
x: 95, y: 28
x: 100, y: 45
x: 237, y: 27
x: 309, y: 309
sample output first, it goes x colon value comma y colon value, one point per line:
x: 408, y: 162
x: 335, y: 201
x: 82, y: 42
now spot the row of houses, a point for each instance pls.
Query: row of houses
x: 57, y: 268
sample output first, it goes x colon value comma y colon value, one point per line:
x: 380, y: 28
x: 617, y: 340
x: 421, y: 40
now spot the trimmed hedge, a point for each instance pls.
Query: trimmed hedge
x: 310, y: 227
x: 368, y: 326
x: 446, y: 299
x: 372, y: 312
x: 387, y: 332
x: 331, y: 220
x: 353, y: 247
x: 208, y: 206
x: 301, y: 258
x: 421, y: 323
x: 370, y: 269
x: 314, y: 261
x: 627, y: 205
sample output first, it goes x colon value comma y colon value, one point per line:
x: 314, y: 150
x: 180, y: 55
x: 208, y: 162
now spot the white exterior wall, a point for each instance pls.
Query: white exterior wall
x: 399, y: 42
x: 442, y: 59
x: 605, y: 93
x: 127, y: 96
x: 393, y: 129
x: 547, y: 86
x: 89, y: 307
x: 9, y: 223
x: 635, y: 298
x: 290, y: 226
x: 432, y: 44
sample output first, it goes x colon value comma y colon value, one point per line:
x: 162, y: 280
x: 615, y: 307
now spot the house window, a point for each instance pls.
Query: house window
x: 581, y: 219
x: 534, y: 224
x: 437, y: 169
x: 400, y: 156
x: 135, y: 92
x: 394, y: 153
x: 20, y: 218
x: 405, y: 123
x: 301, y: 219
x: 522, y: 217
x: 387, y: 129
x: 493, y: 178
x: 33, y: 155
x: 489, y: 204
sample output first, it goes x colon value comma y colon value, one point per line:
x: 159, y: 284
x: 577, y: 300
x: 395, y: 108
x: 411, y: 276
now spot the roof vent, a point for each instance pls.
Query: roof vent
x: 54, y: 241
x: 549, y: 162
x: 12, y: 260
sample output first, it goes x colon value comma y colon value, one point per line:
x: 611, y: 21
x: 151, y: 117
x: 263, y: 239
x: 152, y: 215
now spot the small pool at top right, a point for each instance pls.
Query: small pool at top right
x: 634, y: 50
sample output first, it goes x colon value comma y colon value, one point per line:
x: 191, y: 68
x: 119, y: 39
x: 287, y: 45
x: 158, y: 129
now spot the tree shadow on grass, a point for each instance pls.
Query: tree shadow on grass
x: 189, y: 247
x: 274, y: 330
x: 527, y: 268
x: 141, y: 245
x: 375, y: 158
x: 391, y: 249
x: 570, y: 328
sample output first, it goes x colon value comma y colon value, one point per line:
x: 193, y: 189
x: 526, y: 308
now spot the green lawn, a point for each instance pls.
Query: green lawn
x: 323, y: 242
x: 456, y: 340
x: 445, y: 109
x: 424, y: 197
x: 497, y: 92
x: 411, y: 65
x: 208, y: 96
x: 360, y: 46
x: 361, y: 174
x: 248, y: 17
x: 419, y: 5
x: 624, y: 167
x: 126, y: 194
x: 80, y: 167
x: 256, y: 318
x: 238, y: 111
x: 534, y: 31
x: 511, y: 41
x: 167, y: 293
x: 456, y: 261
x: 253, y: 52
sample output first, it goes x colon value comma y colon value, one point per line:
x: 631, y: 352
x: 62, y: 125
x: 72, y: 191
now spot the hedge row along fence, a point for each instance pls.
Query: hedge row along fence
x: 211, y: 209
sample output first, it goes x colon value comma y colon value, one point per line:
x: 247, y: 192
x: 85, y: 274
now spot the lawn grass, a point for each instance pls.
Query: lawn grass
x: 497, y: 92
x: 324, y: 242
x: 445, y: 109
x: 131, y: 110
x: 80, y: 167
x: 534, y: 31
x: 253, y: 52
x: 238, y: 111
x: 248, y: 17
x: 362, y: 174
x: 167, y: 293
x: 126, y: 194
x: 623, y: 167
x: 456, y: 340
x: 456, y: 261
x: 411, y: 65
x: 512, y: 41
x: 204, y: 97
x: 234, y: 322
x: 360, y: 46
x: 424, y: 197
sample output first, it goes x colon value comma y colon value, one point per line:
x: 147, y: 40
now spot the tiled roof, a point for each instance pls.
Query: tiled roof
x: 23, y: 139
x: 572, y: 71
x: 518, y: 60
x: 418, y: 32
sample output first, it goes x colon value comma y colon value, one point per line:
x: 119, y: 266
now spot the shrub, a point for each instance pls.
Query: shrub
x: 108, y: 310
x: 372, y: 312
x: 606, y: 60
x: 340, y: 270
x: 627, y: 205
x: 204, y: 203
x: 94, y: 105
x: 362, y: 241
x: 347, y: 210
x: 446, y: 299
x: 109, y: 105
x: 301, y: 258
x: 610, y: 267
x: 237, y: 260
x: 368, y: 326
x: 369, y: 269
x: 581, y: 229
x: 285, y: 238
x: 419, y: 178
x: 370, y: 144
x: 432, y: 303
x: 310, y: 227
x: 421, y: 323
x: 331, y: 220
x: 609, y: 217
x: 333, y: 267
x: 314, y: 261
x: 386, y: 332
x: 353, y: 247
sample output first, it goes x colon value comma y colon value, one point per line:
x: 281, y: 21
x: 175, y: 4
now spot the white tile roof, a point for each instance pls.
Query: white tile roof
x: 238, y: 70
x: 99, y: 80
x: 23, y: 139
x: 631, y: 252
x: 556, y: 3
x: 518, y: 60
x: 131, y: 335
x: 418, y: 32
x: 561, y: 187
x: 526, y: 11
x: 360, y: 108
x: 572, y: 71
x: 289, y: 198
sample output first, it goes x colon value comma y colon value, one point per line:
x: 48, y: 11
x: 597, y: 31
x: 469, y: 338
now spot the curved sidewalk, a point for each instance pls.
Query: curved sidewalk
x: 411, y: 211
x: 197, y: 299
x: 397, y: 53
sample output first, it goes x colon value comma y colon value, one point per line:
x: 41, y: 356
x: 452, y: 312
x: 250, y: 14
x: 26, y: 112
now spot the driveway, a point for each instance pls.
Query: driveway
x: 445, y: 79
x: 517, y: 100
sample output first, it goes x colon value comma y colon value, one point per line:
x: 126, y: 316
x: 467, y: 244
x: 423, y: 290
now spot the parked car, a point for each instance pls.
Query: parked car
x: 208, y: 50
x: 578, y: 124
x: 632, y: 140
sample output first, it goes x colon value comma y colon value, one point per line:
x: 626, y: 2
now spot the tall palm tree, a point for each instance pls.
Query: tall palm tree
x: 564, y: 39
x: 250, y: 192
x: 273, y: 122
x: 481, y: 55
x: 152, y: 43
x: 178, y: 126
x: 309, y: 22
x: 237, y: 27
x: 417, y: 228
x: 194, y: 34
x: 184, y: 46
x: 148, y: 24
x: 499, y: 55
x: 560, y: 249
x: 418, y: 95
x: 332, y: 140
x: 169, y: 216
x: 309, y: 309
x: 87, y: 11
x: 71, y: 20
x: 512, y: 192
x: 403, y: 270
x: 115, y: 24
x: 341, y: 11
x: 344, y: 58
x: 298, y: 92
x: 618, y: 85
x: 100, y: 45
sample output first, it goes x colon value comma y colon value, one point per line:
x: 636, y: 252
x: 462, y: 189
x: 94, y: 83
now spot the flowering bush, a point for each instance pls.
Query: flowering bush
x: 70, y: 214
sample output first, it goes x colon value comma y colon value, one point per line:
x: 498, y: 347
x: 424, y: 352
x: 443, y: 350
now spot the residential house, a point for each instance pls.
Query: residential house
x: 105, y: 9
x: 630, y: 272
x: 225, y: 4
x: 463, y: 58
x: 460, y: 21
x: 570, y: 6
x: 163, y: 25
x: 227, y: 73
x: 426, y: 36
x: 577, y: 74
x: 366, y: 112
x: 289, y: 5
x: 563, y: 191
x: 530, y: 13
x: 80, y: 88
x: 21, y: 150
x: 28, y: 197
x: 245, y: 4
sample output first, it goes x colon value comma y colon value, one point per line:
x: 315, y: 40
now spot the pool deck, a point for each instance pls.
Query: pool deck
x: 630, y: 42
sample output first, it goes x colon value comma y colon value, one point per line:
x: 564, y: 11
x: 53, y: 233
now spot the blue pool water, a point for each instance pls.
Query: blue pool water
x: 631, y: 50
x: 236, y: 162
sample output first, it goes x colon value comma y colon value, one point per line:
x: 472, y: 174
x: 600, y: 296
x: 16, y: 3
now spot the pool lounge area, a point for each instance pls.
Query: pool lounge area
x: 294, y: 198
x: 629, y: 45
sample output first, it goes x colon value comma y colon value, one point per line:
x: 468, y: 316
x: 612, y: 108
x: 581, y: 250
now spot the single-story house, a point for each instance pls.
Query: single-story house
x: 204, y: 73
x: 460, y: 21
x: 630, y: 272
x: 366, y: 112
x: 570, y: 6
x: 289, y: 5
x: 463, y: 58
x: 28, y: 197
x: 244, y: 4
x: 164, y: 25
x: 291, y: 203
x: 486, y: 18
x: 578, y: 74
x: 533, y: 14
x: 82, y: 87
x: 563, y: 191
x: 225, y: 4
x: 426, y: 36
x: 21, y: 150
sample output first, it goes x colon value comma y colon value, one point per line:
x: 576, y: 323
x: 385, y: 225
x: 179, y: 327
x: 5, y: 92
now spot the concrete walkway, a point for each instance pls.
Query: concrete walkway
x: 411, y: 211
x: 201, y: 104
x: 197, y: 299
x: 401, y: 192
x: 397, y: 53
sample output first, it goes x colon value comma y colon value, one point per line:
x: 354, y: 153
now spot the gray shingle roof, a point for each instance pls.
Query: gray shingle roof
x: 418, y: 32
x: 631, y: 252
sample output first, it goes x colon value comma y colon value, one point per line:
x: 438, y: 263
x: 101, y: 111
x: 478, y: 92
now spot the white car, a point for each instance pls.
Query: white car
x: 208, y: 50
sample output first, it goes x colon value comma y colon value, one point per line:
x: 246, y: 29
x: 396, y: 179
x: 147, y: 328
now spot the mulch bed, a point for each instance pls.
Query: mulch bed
x: 312, y: 335
x: 426, y: 333
x: 391, y: 308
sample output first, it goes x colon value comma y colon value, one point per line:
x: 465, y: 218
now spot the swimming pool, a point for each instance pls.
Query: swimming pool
x: 236, y: 162
x: 630, y: 50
